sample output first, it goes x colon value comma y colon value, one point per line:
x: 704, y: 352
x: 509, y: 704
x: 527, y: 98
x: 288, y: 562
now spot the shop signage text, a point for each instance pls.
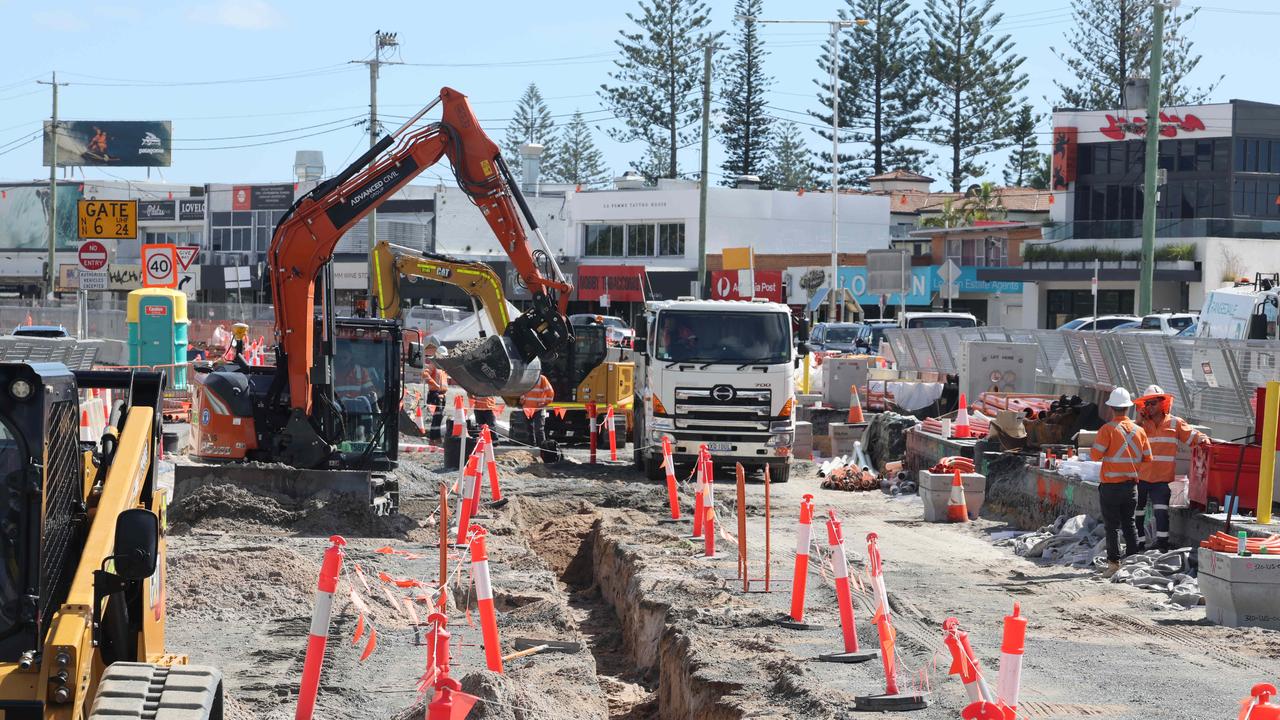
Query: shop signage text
x: 1118, y: 126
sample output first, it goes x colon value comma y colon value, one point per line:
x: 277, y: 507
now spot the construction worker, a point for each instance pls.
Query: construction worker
x: 1123, y: 448
x: 486, y: 411
x: 358, y: 394
x: 539, y: 396
x: 1166, y: 433
x: 437, y: 387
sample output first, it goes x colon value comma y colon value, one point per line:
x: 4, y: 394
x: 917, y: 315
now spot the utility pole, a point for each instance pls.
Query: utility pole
x: 381, y: 40
x: 836, y: 26
x: 51, y: 275
x: 704, y: 175
x: 1148, y: 271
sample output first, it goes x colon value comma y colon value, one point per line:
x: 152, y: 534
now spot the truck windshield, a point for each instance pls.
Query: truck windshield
x: 360, y: 387
x: 844, y: 334
x: 723, y: 337
x: 940, y: 322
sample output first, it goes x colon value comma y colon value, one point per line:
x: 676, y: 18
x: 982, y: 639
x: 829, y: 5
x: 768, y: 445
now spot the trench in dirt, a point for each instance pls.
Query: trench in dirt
x: 643, y: 677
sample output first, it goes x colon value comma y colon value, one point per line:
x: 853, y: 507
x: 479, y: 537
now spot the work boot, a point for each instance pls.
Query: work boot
x: 1112, y: 569
x: 1162, y: 545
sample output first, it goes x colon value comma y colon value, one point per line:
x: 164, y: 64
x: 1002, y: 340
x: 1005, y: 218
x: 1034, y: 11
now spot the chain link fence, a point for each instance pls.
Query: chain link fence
x: 1213, y: 381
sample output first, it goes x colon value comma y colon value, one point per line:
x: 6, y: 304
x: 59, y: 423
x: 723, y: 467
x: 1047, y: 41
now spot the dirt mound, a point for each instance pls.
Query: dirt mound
x: 253, y: 583
x: 229, y: 507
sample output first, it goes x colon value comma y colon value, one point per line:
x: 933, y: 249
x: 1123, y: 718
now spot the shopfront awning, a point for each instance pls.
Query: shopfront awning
x: 843, y: 297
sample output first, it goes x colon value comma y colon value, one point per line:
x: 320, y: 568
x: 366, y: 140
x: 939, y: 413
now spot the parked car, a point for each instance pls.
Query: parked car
x: 1169, y: 323
x: 1131, y: 328
x: 1190, y: 330
x: 44, y: 331
x: 1103, y: 322
x: 840, y: 337
x: 937, y: 320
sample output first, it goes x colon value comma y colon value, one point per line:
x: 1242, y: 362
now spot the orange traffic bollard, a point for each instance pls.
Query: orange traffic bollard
x: 484, y: 599
x: 964, y: 663
x: 613, y: 439
x: 1012, y: 645
x: 673, y: 493
x: 700, y: 473
x: 593, y: 429
x: 795, y: 620
x: 844, y: 598
x: 468, y: 502
x: 319, y: 635
x: 891, y: 699
x: 709, y: 525
x: 490, y: 464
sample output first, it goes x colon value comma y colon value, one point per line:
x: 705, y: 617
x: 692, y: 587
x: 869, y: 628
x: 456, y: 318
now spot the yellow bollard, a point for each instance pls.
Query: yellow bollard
x: 1266, y: 473
x: 804, y: 382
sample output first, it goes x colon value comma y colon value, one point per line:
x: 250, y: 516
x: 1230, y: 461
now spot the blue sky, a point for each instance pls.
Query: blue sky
x: 243, y: 73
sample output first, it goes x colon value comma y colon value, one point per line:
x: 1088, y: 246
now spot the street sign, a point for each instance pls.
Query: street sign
x: 93, y: 280
x: 186, y: 254
x: 108, y: 219
x: 236, y: 277
x: 159, y: 265
x: 949, y: 273
x: 888, y: 272
x: 93, y: 256
x: 189, y: 283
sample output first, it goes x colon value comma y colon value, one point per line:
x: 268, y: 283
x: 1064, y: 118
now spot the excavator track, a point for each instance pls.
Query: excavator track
x: 157, y: 692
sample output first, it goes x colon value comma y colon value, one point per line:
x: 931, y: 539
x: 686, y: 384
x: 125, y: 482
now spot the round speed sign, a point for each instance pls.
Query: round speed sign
x: 93, y: 255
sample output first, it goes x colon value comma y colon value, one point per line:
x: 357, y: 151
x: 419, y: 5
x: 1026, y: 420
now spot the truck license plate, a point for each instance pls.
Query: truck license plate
x: 720, y: 447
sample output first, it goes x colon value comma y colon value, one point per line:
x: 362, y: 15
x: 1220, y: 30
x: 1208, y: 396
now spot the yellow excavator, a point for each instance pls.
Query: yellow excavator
x: 580, y: 374
x: 82, y: 582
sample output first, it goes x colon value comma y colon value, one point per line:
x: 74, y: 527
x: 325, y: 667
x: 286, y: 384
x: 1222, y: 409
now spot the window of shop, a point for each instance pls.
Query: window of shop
x: 182, y: 237
x: 979, y: 252
x: 1062, y: 306
x: 244, y: 231
x: 634, y: 240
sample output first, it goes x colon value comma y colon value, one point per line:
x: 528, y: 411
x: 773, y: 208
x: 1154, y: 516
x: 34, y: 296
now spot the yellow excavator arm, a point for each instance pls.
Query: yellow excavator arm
x: 477, y: 280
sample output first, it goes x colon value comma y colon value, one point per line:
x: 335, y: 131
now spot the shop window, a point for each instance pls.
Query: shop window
x: 671, y: 239
x: 640, y: 240
x: 1221, y: 151
x: 1187, y: 156
x: 604, y: 240
x: 1204, y: 155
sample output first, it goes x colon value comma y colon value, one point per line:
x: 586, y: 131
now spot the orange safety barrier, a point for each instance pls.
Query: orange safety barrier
x: 804, y: 537
x: 318, y: 637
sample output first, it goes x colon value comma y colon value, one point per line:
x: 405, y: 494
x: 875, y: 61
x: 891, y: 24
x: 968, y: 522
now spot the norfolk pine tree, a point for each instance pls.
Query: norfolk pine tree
x: 1110, y: 41
x: 971, y: 74
x: 531, y: 123
x: 577, y: 160
x: 880, y: 90
x: 788, y: 167
x: 1025, y: 159
x: 746, y: 127
x: 655, y: 81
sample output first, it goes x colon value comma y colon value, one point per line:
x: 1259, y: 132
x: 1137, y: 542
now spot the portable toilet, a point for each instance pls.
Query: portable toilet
x: 157, y: 320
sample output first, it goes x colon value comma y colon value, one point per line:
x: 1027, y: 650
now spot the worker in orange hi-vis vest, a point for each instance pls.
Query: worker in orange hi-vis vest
x: 1123, y: 449
x: 437, y: 386
x: 486, y: 411
x: 1166, y: 433
x: 538, y: 397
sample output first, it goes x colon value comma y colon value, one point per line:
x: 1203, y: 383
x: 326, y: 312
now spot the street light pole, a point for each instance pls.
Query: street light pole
x: 836, y: 26
x: 1148, y: 264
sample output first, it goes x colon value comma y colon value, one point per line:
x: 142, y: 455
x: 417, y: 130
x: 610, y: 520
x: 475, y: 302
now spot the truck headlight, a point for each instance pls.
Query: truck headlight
x: 780, y: 426
x: 20, y: 389
x: 660, y: 423
x: 781, y: 440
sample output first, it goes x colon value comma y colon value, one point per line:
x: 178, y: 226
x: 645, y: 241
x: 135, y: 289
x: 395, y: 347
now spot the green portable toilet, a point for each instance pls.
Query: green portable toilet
x: 157, y: 320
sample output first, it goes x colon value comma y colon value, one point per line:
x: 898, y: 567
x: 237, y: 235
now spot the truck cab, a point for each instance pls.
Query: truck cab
x: 937, y: 320
x: 717, y: 373
x: 1246, y: 311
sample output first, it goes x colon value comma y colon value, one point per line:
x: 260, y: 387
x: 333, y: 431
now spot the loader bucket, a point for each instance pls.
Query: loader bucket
x: 489, y: 367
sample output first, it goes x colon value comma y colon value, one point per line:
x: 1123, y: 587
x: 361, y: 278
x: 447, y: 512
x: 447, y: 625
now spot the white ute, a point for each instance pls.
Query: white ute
x: 719, y: 373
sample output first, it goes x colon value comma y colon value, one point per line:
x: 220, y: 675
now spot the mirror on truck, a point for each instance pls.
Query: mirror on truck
x: 137, y: 544
x: 640, y: 345
x: 413, y: 355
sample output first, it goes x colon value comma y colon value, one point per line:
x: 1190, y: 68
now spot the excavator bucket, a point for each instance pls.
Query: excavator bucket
x: 489, y: 367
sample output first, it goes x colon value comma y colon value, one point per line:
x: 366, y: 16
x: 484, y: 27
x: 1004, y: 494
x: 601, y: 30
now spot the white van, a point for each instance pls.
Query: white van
x: 937, y: 320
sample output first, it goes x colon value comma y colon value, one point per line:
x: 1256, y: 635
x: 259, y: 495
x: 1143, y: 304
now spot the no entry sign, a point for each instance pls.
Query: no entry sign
x: 93, y: 255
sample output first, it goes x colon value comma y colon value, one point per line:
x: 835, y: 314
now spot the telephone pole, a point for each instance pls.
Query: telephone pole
x: 1148, y: 264
x: 704, y: 177
x: 51, y: 275
x: 381, y: 40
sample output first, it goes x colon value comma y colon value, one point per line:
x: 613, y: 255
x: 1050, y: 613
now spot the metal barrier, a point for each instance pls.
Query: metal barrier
x: 1212, y: 380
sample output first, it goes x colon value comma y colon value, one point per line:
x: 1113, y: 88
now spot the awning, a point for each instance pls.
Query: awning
x: 843, y: 297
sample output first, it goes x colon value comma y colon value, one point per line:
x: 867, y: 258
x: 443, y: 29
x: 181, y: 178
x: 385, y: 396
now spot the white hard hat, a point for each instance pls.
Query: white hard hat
x: 1120, y: 398
x: 1153, y: 390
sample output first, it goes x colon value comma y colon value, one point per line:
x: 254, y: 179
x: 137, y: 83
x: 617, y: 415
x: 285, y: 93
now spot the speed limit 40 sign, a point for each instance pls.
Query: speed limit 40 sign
x: 160, y: 265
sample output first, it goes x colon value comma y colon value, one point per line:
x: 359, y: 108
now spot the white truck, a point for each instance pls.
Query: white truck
x: 717, y: 373
x: 1246, y: 311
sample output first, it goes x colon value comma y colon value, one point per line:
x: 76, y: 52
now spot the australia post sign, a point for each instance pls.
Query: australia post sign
x: 725, y: 285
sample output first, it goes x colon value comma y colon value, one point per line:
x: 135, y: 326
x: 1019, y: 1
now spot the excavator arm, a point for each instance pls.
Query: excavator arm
x: 476, y: 279
x: 305, y: 239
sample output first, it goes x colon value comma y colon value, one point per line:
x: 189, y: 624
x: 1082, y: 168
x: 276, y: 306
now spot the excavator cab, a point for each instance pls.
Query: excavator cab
x: 366, y: 385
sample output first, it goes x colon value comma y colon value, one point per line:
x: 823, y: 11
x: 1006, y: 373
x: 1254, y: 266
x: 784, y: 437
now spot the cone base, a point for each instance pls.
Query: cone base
x: 849, y: 657
x: 883, y: 703
x: 786, y: 621
x: 669, y: 521
x: 496, y: 504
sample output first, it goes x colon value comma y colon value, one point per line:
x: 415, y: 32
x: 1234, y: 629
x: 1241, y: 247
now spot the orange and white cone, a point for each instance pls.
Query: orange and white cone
x: 844, y: 598
x: 1012, y: 645
x: 855, y: 406
x: 484, y: 599
x: 961, y: 427
x: 800, y: 576
x: 956, y: 510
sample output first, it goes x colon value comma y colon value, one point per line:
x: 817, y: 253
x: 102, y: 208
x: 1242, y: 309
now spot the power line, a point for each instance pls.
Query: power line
x: 17, y: 147
x: 295, y: 75
x: 569, y: 60
x: 274, y: 132
x: 271, y: 142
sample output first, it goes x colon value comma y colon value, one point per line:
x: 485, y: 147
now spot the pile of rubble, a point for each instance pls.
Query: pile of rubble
x: 1080, y: 542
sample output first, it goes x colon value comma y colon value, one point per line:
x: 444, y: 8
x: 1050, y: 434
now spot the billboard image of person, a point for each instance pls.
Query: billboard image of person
x: 121, y: 143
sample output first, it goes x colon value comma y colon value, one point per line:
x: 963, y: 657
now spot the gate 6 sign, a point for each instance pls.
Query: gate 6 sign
x: 160, y: 265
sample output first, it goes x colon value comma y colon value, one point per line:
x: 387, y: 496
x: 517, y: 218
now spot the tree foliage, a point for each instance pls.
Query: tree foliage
x: 746, y: 127
x: 880, y: 91
x: 532, y: 123
x: 1025, y: 159
x: 971, y: 75
x: 577, y: 160
x: 653, y: 86
x: 788, y: 166
x: 1110, y: 41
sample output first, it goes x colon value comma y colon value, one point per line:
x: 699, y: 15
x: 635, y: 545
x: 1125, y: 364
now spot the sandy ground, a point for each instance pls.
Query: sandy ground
x: 576, y: 556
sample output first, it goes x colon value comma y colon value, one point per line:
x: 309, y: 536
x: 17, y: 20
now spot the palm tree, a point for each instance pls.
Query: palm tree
x: 949, y: 218
x: 982, y: 202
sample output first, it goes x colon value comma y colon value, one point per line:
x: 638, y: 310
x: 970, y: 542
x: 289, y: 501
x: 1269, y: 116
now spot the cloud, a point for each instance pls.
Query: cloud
x: 238, y: 14
x: 60, y: 20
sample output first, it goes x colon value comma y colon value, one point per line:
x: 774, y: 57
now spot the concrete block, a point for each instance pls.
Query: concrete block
x: 844, y: 435
x: 935, y: 490
x: 1240, y: 590
x: 802, y: 447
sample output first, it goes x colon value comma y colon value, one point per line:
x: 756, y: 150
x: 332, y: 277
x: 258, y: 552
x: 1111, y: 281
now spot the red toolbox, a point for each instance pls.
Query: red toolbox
x: 1213, y: 474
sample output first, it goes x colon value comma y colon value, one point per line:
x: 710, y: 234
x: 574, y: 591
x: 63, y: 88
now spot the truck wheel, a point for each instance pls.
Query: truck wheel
x: 142, y: 690
x: 653, y: 469
x: 780, y: 473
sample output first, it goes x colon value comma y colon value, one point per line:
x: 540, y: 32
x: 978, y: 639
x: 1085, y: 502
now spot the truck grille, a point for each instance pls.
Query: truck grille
x: 723, y: 409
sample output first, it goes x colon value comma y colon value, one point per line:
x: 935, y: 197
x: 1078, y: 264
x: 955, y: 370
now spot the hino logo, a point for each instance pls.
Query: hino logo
x: 722, y: 393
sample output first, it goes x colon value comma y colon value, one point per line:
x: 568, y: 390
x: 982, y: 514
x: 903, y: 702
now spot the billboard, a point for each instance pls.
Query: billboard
x: 119, y: 143
x: 24, y: 217
x: 727, y: 285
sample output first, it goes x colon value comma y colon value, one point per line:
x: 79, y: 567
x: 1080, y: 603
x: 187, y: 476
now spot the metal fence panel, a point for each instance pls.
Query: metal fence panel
x: 1056, y: 357
x: 901, y: 347
x: 920, y: 348
x: 1080, y: 357
x: 1209, y: 381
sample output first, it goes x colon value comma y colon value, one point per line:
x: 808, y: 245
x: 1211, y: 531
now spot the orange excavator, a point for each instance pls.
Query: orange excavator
x: 332, y: 398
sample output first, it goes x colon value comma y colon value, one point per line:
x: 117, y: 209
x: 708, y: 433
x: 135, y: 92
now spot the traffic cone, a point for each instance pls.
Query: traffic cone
x: 417, y: 419
x: 855, y: 406
x: 844, y: 598
x: 86, y: 430
x: 892, y: 699
x: 1012, y: 644
x: 795, y: 620
x: 961, y: 427
x: 965, y: 664
x: 956, y: 510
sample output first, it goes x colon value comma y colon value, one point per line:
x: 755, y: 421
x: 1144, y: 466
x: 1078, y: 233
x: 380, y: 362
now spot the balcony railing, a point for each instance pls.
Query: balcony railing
x: 1165, y: 228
